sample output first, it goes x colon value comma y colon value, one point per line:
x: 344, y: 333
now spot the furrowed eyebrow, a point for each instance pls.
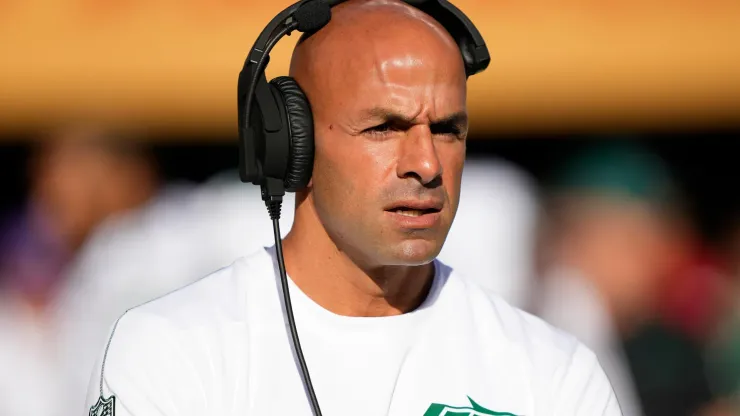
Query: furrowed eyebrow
x: 385, y: 115
x: 458, y: 120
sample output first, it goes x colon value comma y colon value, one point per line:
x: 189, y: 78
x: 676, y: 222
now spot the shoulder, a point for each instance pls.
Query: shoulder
x: 218, y: 297
x: 177, y: 337
x: 212, y: 302
x: 562, y: 370
x: 516, y: 326
x: 545, y: 349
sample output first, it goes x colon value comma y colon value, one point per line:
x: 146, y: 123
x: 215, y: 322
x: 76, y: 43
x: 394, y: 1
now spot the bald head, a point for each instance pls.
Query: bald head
x: 368, y: 38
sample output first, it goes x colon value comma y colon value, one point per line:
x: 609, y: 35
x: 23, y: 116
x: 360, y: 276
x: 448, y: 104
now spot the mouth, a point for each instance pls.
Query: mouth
x: 415, y: 208
x: 410, y: 212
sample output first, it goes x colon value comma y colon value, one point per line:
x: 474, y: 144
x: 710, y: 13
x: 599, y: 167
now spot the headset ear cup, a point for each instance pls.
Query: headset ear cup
x: 300, y: 130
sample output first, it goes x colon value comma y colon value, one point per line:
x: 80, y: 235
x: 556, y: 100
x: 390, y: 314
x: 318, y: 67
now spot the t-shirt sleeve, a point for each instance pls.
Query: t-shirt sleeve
x: 137, y: 374
x: 584, y: 389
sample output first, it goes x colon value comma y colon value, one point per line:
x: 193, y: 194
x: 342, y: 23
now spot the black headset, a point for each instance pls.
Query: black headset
x: 276, y: 135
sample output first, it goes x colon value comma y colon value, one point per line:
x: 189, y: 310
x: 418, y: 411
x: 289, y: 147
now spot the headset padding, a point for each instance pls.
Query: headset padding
x: 300, y: 129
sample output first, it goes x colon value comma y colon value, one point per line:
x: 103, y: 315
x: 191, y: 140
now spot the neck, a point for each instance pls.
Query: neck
x: 340, y: 284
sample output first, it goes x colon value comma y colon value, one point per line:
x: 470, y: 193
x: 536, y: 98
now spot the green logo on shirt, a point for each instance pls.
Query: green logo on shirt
x: 437, y: 409
x: 104, y: 407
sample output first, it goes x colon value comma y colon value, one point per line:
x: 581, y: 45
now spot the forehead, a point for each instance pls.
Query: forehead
x: 377, y: 54
x: 409, y: 77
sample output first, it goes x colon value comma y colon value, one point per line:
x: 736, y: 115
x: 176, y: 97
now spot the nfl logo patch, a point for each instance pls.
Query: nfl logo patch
x: 104, y: 407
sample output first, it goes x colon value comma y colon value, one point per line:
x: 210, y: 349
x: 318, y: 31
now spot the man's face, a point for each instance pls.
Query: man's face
x: 390, y: 149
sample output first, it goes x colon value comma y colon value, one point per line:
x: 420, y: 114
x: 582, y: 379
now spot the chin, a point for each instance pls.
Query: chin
x: 415, y: 252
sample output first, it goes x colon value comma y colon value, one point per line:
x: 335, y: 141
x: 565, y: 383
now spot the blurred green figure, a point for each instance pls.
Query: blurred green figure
x: 611, y: 235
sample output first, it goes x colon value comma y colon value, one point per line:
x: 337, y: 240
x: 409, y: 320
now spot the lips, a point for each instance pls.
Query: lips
x: 415, y: 215
x: 415, y: 208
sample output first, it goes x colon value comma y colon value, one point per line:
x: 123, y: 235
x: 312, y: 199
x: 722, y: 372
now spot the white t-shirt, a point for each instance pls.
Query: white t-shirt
x: 220, y: 347
x: 189, y: 231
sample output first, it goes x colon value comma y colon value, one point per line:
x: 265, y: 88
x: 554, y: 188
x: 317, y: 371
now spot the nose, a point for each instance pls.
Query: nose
x: 418, y: 157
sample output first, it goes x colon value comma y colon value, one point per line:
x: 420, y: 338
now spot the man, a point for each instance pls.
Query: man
x: 611, y: 239
x: 385, y: 328
x: 79, y: 176
x: 186, y: 231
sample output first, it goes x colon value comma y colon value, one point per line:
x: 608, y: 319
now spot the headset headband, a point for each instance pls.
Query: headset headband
x: 449, y: 16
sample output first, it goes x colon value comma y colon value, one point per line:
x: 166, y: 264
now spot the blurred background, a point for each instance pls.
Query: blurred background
x: 600, y: 191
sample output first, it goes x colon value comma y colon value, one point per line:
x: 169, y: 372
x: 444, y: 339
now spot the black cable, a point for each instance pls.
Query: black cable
x: 273, y: 207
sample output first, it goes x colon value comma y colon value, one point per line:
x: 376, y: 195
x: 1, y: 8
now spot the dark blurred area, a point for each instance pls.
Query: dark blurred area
x: 599, y: 192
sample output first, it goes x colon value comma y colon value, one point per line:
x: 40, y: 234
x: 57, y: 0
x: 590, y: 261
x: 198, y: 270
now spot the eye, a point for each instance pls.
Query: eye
x: 446, y: 130
x: 379, y: 130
